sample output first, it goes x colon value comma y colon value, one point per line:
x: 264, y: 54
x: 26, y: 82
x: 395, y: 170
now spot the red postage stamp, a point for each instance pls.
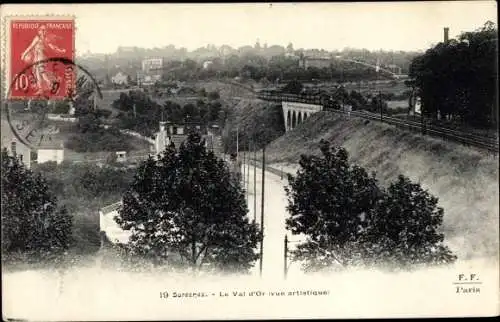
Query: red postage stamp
x: 39, y: 49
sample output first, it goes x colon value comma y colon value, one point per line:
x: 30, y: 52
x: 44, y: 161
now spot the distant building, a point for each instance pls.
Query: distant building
x: 207, y: 64
x: 120, y: 79
x: 395, y: 69
x: 150, y: 64
x: 51, y: 148
x: 318, y: 62
x: 291, y: 55
x: 177, y: 133
x: 148, y: 80
x: 152, y: 71
x: 14, y: 146
x: 121, y: 156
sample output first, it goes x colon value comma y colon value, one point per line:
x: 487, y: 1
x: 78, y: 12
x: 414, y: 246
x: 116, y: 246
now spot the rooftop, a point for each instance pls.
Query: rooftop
x: 110, y: 208
x: 52, y: 141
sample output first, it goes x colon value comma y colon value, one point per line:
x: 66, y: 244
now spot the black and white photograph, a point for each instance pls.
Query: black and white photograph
x: 249, y: 160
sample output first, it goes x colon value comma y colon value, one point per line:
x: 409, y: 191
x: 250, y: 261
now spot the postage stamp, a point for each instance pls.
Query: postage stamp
x: 35, y: 48
x: 40, y: 73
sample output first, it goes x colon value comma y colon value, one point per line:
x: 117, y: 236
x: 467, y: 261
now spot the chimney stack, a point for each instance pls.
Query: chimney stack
x: 446, y: 34
x: 162, y: 126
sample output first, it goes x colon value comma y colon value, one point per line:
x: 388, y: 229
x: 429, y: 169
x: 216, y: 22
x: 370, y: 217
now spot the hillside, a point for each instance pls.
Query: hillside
x: 255, y: 121
x: 464, y: 179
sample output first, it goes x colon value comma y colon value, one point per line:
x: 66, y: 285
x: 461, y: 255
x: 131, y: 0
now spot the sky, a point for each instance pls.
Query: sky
x: 102, y: 28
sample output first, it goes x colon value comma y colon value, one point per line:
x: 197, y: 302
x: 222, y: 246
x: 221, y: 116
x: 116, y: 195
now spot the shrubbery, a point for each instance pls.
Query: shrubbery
x: 93, y: 137
x: 142, y: 115
x: 101, y: 140
x: 257, y: 125
x: 82, y: 189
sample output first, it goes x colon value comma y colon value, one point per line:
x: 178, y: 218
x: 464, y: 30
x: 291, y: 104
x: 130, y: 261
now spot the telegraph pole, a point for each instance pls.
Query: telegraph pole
x: 243, y: 171
x: 254, y: 182
x: 248, y: 172
x: 380, y: 101
x: 262, y: 206
x: 422, y: 125
x: 237, y: 144
x: 342, y: 94
x: 285, y: 266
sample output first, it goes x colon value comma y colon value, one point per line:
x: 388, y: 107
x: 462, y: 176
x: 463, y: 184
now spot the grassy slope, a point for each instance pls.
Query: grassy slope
x: 254, y: 119
x: 464, y: 179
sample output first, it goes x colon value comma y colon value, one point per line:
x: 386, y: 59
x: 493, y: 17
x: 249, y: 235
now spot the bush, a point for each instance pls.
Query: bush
x: 61, y: 107
x: 103, y: 113
x: 82, y: 189
x: 99, y: 140
x: 293, y: 87
x: 213, y: 95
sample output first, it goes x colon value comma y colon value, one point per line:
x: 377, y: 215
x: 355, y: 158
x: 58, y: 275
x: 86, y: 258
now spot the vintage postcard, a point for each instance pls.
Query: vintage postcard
x: 249, y: 161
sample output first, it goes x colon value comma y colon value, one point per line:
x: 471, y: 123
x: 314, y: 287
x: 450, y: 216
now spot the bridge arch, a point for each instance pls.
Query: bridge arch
x: 296, y: 113
x: 289, y: 120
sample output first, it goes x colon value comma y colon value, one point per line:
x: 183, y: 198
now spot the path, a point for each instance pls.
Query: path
x: 275, y: 214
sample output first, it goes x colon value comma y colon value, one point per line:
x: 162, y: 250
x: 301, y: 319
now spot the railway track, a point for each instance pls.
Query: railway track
x: 462, y: 137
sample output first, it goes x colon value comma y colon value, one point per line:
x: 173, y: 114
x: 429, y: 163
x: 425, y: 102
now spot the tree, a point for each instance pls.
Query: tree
x: 458, y: 79
x: 408, y: 221
x: 191, y: 112
x: 293, y: 87
x: 202, y: 92
x: 33, y: 226
x: 329, y: 202
x: 61, y: 107
x: 348, y: 220
x: 213, y: 95
x: 186, y: 210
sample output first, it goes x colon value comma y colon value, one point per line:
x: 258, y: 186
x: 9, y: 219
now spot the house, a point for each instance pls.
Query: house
x: 291, y: 55
x: 177, y: 133
x: 51, y: 148
x: 109, y: 228
x: 152, y: 71
x: 152, y: 65
x: 120, y: 79
x: 148, y: 80
x: 121, y: 156
x: 207, y: 64
x: 14, y: 146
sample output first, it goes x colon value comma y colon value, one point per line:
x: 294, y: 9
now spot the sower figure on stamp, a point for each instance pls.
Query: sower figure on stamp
x: 35, y: 53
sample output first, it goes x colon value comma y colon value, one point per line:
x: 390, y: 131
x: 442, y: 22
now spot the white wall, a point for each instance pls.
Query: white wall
x: 46, y: 155
x: 111, y: 228
x: 309, y: 108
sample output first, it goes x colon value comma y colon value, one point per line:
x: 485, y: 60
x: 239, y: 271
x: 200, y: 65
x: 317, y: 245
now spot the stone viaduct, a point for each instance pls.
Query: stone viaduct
x: 296, y: 113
